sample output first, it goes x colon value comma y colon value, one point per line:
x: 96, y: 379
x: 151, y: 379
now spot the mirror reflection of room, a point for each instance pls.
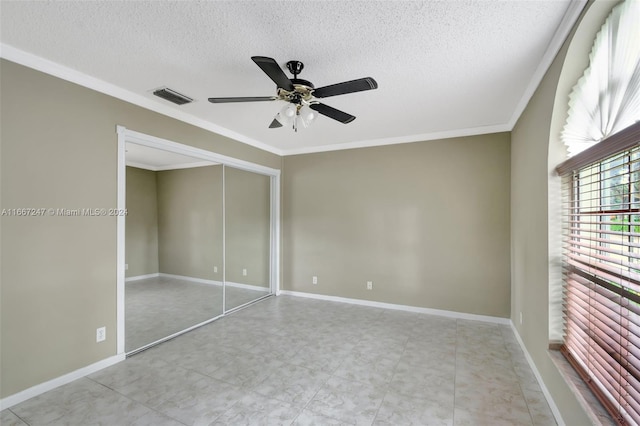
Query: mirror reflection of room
x: 174, y: 244
x: 247, y: 236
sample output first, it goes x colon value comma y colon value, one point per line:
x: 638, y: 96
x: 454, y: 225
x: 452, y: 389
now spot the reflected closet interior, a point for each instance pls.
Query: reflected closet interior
x: 197, y: 242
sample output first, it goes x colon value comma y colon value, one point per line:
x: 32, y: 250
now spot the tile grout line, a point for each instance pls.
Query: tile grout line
x: 330, y: 375
x: 519, y: 378
x: 312, y: 398
x: 133, y: 400
x: 21, y: 419
x: 404, y: 349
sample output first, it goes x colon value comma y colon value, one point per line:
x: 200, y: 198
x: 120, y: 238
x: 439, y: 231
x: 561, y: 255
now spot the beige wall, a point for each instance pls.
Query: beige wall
x: 141, y: 249
x: 427, y: 222
x: 529, y: 241
x: 58, y: 274
x: 247, y: 227
x: 535, y: 152
x: 190, y: 222
x: 175, y: 223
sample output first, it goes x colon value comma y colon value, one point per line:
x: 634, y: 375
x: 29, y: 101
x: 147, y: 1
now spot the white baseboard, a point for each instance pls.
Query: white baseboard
x: 439, y: 312
x: 247, y: 286
x: 532, y: 365
x: 142, y: 277
x: 191, y: 279
x: 214, y: 282
x: 36, y: 390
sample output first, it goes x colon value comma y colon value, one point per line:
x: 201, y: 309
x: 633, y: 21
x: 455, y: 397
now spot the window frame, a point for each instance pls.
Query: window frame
x: 622, y: 144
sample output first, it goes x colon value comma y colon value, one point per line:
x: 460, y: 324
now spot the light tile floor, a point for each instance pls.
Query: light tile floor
x: 159, y: 307
x: 293, y: 361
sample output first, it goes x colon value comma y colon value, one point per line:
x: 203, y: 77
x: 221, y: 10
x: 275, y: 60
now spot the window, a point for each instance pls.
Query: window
x: 606, y: 99
x: 601, y: 191
x: 601, y: 222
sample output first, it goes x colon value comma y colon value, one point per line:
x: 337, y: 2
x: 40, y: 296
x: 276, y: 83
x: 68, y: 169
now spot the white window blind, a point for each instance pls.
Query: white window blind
x: 606, y: 99
x: 602, y: 272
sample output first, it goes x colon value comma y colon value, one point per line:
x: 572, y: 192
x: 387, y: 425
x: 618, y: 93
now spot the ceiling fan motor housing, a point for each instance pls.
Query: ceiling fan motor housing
x: 302, y: 82
x: 304, y: 92
x: 295, y: 68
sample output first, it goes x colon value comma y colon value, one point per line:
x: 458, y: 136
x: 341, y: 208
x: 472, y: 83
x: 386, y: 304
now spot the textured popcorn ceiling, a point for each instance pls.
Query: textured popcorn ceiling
x: 443, y: 67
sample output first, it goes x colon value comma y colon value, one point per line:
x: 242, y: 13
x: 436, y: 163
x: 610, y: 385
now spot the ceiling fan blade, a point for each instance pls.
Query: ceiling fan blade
x: 241, y: 99
x: 275, y: 124
x: 331, y: 112
x: 273, y: 70
x: 358, y: 85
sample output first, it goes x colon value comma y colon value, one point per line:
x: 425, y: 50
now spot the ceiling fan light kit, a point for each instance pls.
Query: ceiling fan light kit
x: 302, y: 106
x: 294, y: 115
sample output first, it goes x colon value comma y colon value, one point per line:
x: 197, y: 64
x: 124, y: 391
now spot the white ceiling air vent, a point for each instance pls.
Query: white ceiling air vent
x: 172, y: 96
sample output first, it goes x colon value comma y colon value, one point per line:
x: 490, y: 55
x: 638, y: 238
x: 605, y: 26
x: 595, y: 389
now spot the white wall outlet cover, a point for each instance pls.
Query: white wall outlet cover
x: 369, y: 285
x: 215, y: 269
x: 101, y: 334
x: 314, y: 280
x: 244, y: 272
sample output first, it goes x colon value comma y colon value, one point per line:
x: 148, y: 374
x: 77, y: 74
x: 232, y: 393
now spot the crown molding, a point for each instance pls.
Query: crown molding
x: 472, y: 131
x: 32, y: 61
x: 57, y: 70
x: 559, y: 37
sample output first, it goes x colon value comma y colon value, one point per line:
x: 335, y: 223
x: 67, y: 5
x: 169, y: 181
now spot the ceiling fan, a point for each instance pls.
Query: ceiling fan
x: 301, y: 95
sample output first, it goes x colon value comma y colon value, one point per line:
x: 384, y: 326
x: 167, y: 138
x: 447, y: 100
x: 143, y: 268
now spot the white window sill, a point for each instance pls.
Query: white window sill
x: 594, y: 409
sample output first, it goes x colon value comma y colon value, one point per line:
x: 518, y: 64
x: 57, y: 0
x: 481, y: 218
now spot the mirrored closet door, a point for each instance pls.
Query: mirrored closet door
x: 197, y: 242
x: 174, y: 244
x: 247, y: 236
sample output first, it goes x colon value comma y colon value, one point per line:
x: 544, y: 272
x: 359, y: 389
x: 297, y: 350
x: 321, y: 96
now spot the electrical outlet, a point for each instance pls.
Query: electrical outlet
x: 101, y: 334
x: 521, y: 318
x: 314, y: 280
x: 126, y: 266
x: 244, y: 272
x: 369, y: 285
x: 215, y: 269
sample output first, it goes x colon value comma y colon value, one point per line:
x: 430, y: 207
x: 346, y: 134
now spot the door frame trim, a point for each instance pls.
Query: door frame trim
x: 126, y: 135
